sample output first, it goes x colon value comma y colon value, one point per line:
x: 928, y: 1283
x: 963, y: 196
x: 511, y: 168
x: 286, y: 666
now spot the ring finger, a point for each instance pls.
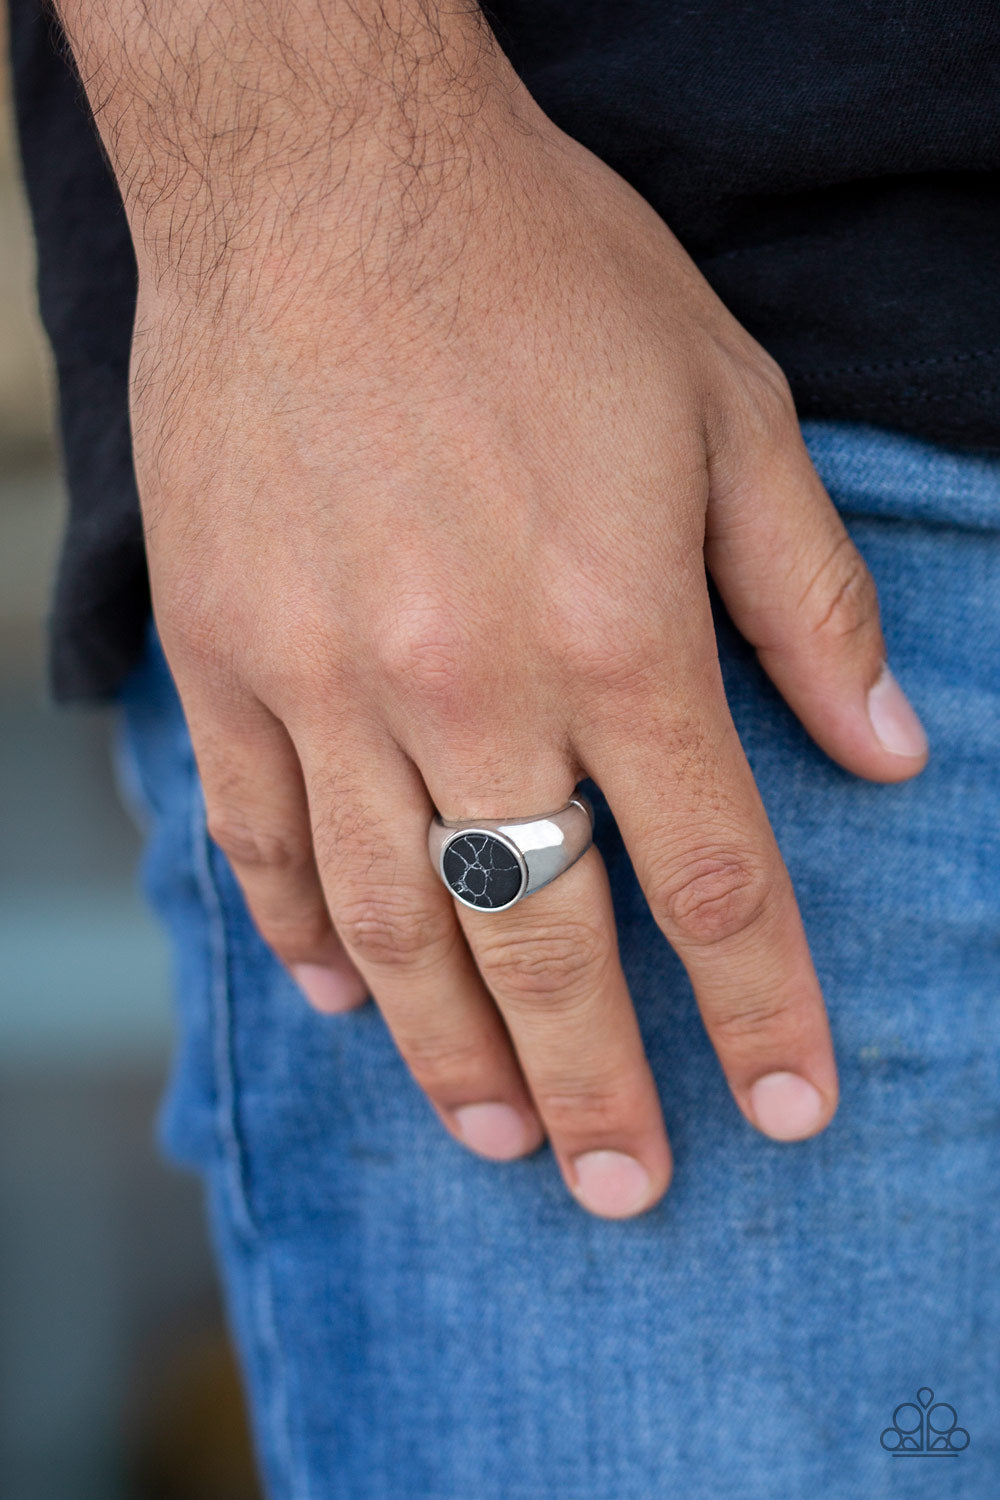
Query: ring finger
x: 551, y: 963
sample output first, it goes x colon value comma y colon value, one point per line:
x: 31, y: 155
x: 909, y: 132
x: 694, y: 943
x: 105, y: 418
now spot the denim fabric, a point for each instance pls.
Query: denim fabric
x: 418, y: 1324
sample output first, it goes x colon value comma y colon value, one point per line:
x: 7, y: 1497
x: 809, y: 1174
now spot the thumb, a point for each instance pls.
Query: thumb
x: 799, y: 590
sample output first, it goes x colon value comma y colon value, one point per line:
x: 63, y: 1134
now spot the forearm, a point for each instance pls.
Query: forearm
x: 236, y: 127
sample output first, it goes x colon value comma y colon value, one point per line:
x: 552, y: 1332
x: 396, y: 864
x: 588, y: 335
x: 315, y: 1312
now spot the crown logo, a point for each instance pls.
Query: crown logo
x: 924, y: 1429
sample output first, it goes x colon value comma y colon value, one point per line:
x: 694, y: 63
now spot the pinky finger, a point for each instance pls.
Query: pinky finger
x: 257, y: 813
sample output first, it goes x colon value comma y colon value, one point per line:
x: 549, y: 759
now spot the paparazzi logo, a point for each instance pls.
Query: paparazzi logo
x: 925, y: 1428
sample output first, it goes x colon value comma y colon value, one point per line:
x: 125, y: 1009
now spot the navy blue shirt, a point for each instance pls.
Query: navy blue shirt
x: 833, y: 166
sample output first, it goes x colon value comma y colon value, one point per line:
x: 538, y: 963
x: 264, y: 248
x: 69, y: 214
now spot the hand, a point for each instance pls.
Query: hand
x: 431, y: 469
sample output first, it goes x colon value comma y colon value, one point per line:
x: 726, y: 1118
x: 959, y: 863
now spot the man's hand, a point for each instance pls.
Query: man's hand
x: 436, y: 427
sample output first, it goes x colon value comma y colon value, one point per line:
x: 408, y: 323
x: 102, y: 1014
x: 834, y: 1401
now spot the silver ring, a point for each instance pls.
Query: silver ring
x: 492, y: 864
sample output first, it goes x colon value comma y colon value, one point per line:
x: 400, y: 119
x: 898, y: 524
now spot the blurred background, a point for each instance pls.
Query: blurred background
x: 116, y: 1381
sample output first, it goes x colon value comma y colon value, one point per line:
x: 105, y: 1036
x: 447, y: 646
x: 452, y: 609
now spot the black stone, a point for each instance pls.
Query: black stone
x: 482, y: 870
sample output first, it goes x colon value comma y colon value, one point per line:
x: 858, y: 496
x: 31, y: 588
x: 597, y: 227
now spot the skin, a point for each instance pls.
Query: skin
x: 437, y: 430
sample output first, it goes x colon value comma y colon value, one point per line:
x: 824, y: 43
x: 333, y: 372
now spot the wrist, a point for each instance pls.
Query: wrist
x: 250, y: 136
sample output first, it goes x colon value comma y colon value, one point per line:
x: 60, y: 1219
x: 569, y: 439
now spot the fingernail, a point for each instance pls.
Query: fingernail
x: 494, y: 1130
x: 896, y: 726
x: 785, y: 1106
x: 330, y: 990
x: 610, y: 1183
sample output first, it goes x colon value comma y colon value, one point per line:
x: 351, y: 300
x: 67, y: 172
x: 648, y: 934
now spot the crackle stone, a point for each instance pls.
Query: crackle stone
x: 482, y: 870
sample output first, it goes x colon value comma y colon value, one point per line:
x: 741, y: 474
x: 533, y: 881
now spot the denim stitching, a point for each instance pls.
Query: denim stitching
x: 231, y: 1147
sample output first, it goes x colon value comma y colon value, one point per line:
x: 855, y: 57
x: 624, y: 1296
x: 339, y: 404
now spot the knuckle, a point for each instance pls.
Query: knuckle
x: 446, y: 1067
x: 716, y: 895
x: 254, y: 848
x: 842, y: 595
x: 545, y: 964
x: 769, y: 394
x: 751, y: 1018
x: 192, y: 619
x: 299, y: 937
x: 424, y: 648
x: 205, y: 623
x: 761, y: 408
x: 773, y: 389
x: 588, y: 1109
x: 393, y: 928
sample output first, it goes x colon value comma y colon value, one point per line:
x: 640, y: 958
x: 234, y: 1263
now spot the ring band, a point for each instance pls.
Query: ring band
x: 494, y: 863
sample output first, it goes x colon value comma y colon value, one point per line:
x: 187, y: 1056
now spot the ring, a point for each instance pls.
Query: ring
x: 492, y: 864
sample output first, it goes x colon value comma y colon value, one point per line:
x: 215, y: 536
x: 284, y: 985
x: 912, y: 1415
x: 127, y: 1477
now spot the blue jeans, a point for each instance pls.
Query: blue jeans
x: 419, y: 1324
